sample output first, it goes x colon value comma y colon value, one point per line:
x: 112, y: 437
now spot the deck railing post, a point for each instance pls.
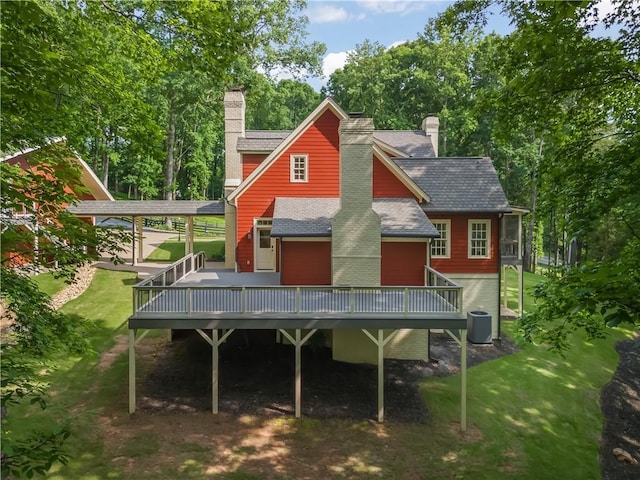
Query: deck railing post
x: 243, y: 298
x: 352, y: 300
x: 298, y: 299
x: 188, y: 301
x: 406, y: 301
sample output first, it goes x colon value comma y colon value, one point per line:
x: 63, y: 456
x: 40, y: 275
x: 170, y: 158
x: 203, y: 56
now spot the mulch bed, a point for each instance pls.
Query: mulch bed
x: 620, y: 404
x: 257, y: 377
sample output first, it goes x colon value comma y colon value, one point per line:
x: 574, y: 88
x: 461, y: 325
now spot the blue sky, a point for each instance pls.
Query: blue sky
x: 343, y: 24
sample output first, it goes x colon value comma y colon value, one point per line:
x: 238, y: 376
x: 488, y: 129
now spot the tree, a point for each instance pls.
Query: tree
x: 578, y: 93
x: 36, y: 331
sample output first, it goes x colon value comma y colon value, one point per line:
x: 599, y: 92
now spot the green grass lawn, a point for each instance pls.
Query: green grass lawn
x: 530, y: 280
x: 173, y: 250
x: 532, y: 415
x: 49, y: 284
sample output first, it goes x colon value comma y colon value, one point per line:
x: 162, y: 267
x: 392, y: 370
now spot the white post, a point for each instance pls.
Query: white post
x: 298, y: 387
x: 140, y: 230
x: 520, y: 290
x: 133, y: 241
x: 214, y: 370
x: 463, y: 377
x: 504, y: 286
x: 132, y: 370
x: 381, y: 343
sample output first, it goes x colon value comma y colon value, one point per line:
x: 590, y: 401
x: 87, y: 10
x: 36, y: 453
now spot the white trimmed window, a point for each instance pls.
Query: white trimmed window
x: 479, y: 238
x: 440, y: 247
x: 299, y: 168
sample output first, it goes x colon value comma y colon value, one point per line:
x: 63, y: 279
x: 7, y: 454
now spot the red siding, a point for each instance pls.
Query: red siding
x: 306, y: 263
x: 321, y: 142
x: 386, y: 184
x: 250, y: 162
x: 460, y: 261
x: 403, y: 263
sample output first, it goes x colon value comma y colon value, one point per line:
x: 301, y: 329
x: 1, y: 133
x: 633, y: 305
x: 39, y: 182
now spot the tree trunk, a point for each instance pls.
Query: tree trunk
x: 170, y: 161
x: 530, y: 254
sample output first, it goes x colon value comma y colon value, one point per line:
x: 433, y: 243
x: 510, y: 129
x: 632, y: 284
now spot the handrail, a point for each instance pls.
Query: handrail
x: 283, y: 299
x: 170, y: 275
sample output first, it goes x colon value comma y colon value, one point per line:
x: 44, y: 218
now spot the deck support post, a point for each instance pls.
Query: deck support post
x: 298, y: 342
x: 463, y: 379
x: 380, y: 342
x: 215, y: 367
x: 462, y: 341
x: 132, y: 370
x: 215, y: 343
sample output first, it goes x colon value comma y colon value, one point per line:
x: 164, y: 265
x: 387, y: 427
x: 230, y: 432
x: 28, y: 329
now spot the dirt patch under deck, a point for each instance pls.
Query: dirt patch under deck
x: 257, y: 378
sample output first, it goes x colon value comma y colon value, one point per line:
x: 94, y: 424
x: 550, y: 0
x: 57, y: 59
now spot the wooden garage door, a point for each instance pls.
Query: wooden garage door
x: 306, y: 263
x: 403, y: 263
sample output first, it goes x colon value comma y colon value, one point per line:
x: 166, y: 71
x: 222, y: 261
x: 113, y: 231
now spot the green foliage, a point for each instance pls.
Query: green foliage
x: 48, y: 183
x: 590, y: 297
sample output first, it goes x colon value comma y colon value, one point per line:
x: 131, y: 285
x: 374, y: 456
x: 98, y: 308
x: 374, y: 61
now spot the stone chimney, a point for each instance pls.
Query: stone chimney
x: 355, y: 229
x: 431, y: 125
x: 234, y: 108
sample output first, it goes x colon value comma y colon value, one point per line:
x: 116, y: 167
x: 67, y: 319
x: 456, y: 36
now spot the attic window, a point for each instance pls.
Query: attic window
x: 299, y: 168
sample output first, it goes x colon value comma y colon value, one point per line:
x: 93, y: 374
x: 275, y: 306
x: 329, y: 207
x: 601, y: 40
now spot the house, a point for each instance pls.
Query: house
x: 35, y: 160
x: 336, y: 202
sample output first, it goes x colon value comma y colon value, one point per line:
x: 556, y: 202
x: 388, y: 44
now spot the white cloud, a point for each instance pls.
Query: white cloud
x: 401, y: 7
x: 397, y: 44
x: 605, y: 7
x: 333, y: 62
x: 327, y: 14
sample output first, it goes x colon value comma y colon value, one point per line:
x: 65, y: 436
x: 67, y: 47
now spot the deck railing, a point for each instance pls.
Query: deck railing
x: 154, y: 298
x: 447, y: 289
x: 166, y: 278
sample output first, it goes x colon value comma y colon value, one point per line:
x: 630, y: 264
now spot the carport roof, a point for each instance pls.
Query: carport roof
x: 147, y: 208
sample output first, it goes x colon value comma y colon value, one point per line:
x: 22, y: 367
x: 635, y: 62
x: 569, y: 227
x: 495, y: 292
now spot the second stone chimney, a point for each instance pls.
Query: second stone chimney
x: 355, y: 228
x: 431, y: 125
x: 234, y: 107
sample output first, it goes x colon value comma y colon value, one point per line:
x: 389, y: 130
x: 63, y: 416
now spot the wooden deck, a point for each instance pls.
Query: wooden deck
x: 190, y: 296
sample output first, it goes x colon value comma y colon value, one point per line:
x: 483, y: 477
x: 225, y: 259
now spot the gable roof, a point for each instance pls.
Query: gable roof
x: 311, y: 217
x: 457, y: 184
x: 261, y: 141
x: 402, y: 143
x: 411, y: 143
x: 326, y: 104
x: 87, y: 176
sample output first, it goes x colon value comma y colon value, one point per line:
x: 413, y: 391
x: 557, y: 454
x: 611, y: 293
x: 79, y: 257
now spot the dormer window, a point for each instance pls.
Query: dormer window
x: 299, y: 168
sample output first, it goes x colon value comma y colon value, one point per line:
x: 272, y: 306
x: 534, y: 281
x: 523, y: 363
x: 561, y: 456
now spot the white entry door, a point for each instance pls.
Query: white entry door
x: 265, y: 247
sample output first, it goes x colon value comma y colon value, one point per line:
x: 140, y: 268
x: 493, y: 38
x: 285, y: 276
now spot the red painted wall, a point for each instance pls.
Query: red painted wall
x: 460, y: 261
x: 403, y: 263
x: 321, y: 142
x: 250, y: 162
x: 306, y: 263
x: 386, y: 184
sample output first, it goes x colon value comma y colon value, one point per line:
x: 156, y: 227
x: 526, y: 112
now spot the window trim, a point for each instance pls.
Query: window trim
x: 292, y: 167
x: 486, y: 222
x: 447, y: 239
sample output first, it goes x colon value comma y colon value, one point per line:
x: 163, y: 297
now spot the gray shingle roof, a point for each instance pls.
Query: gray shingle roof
x: 147, y: 208
x: 413, y: 143
x: 457, y: 184
x: 311, y: 217
x: 261, y: 140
